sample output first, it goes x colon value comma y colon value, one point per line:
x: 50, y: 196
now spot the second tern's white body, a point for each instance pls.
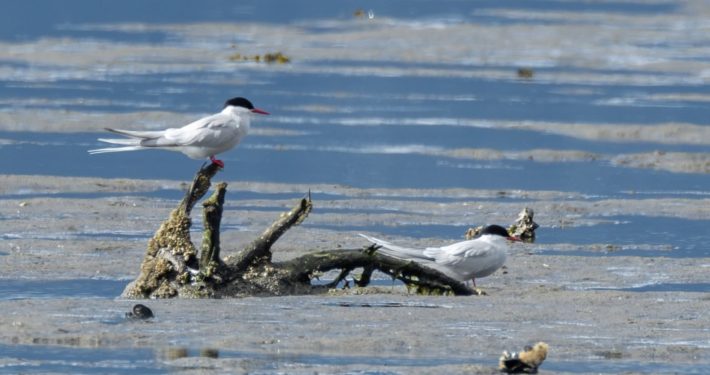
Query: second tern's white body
x: 463, y: 261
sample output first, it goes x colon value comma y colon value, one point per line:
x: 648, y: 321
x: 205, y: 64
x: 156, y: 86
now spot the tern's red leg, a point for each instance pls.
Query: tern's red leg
x: 217, y: 161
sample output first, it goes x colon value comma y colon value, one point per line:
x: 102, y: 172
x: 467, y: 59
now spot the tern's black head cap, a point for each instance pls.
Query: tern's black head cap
x: 239, y: 102
x: 495, y: 230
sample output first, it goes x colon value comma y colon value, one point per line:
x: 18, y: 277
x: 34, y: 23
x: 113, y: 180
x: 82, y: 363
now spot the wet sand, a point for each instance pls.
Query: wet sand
x: 592, y: 310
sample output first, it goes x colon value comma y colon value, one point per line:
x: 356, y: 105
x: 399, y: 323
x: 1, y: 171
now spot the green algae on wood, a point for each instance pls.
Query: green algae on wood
x: 172, y: 268
x: 212, y: 216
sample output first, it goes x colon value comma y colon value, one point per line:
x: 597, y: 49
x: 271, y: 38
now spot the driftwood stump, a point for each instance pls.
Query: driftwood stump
x: 172, y: 268
x: 523, y: 227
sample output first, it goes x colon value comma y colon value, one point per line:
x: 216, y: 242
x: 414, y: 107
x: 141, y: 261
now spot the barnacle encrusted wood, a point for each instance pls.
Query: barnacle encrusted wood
x: 523, y: 227
x: 172, y: 268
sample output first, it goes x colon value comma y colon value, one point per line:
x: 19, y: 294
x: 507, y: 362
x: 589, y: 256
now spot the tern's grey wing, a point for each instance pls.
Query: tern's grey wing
x: 206, y: 129
x: 397, y: 251
x: 470, y: 249
x: 458, y: 252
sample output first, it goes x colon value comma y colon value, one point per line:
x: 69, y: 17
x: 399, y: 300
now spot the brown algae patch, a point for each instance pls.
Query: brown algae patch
x: 269, y: 58
x: 678, y: 162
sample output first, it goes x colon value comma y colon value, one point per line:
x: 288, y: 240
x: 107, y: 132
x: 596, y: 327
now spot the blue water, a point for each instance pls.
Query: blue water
x: 43, y: 359
x: 49, y: 16
x: 36, y: 359
x: 17, y: 289
x: 621, y: 232
x: 63, y: 157
x: 685, y: 238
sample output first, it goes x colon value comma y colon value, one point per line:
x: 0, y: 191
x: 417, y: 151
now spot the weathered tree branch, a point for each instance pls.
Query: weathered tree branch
x: 200, y: 185
x: 162, y: 274
x: 260, y: 249
x: 523, y: 227
x: 212, y: 216
x: 171, y: 267
x: 425, y: 280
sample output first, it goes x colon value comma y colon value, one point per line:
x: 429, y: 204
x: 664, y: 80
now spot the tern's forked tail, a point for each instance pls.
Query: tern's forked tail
x: 115, y: 149
x: 131, y: 144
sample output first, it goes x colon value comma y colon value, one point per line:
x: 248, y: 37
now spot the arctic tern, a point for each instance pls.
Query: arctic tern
x: 463, y: 261
x: 200, y: 139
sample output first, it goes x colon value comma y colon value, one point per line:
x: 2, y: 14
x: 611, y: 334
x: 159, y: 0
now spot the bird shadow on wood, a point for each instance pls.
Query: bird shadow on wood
x: 172, y: 266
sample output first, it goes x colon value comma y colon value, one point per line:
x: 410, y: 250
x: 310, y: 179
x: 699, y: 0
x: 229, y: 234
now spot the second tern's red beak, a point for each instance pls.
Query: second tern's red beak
x: 259, y: 111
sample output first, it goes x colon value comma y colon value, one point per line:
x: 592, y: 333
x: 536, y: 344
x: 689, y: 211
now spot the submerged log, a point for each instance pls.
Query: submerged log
x: 171, y: 267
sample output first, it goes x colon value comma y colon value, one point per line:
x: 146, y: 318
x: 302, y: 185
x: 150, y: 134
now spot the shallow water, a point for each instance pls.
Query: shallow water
x: 79, y: 288
x: 148, y: 361
x: 373, y: 166
x: 414, y: 96
x: 42, y: 359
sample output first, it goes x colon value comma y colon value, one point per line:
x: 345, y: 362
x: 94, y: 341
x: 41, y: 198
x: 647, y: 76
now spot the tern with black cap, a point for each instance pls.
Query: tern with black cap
x: 204, y: 138
x: 463, y: 261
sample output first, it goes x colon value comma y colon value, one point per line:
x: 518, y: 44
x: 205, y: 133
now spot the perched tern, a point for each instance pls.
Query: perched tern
x: 463, y: 261
x: 203, y: 138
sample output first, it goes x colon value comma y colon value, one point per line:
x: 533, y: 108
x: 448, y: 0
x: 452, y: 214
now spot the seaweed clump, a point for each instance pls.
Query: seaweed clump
x: 269, y: 58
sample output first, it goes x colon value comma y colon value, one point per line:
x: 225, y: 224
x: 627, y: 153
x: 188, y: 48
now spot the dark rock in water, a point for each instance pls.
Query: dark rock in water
x: 140, y: 312
x: 209, y: 353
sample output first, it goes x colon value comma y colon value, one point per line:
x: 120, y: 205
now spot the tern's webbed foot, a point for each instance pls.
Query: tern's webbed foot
x: 216, y: 161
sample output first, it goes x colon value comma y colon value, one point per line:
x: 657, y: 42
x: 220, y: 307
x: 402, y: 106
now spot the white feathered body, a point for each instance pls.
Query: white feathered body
x: 462, y: 261
x: 201, y: 139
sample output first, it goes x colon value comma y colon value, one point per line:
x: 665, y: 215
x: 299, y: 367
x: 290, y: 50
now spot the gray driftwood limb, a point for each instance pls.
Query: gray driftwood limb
x: 523, y: 227
x: 199, y: 187
x: 212, y: 216
x: 171, y: 267
x: 422, y: 279
x: 260, y: 249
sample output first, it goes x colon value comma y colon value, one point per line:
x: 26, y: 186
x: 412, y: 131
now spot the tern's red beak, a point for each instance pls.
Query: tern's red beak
x: 259, y: 111
x: 513, y: 238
